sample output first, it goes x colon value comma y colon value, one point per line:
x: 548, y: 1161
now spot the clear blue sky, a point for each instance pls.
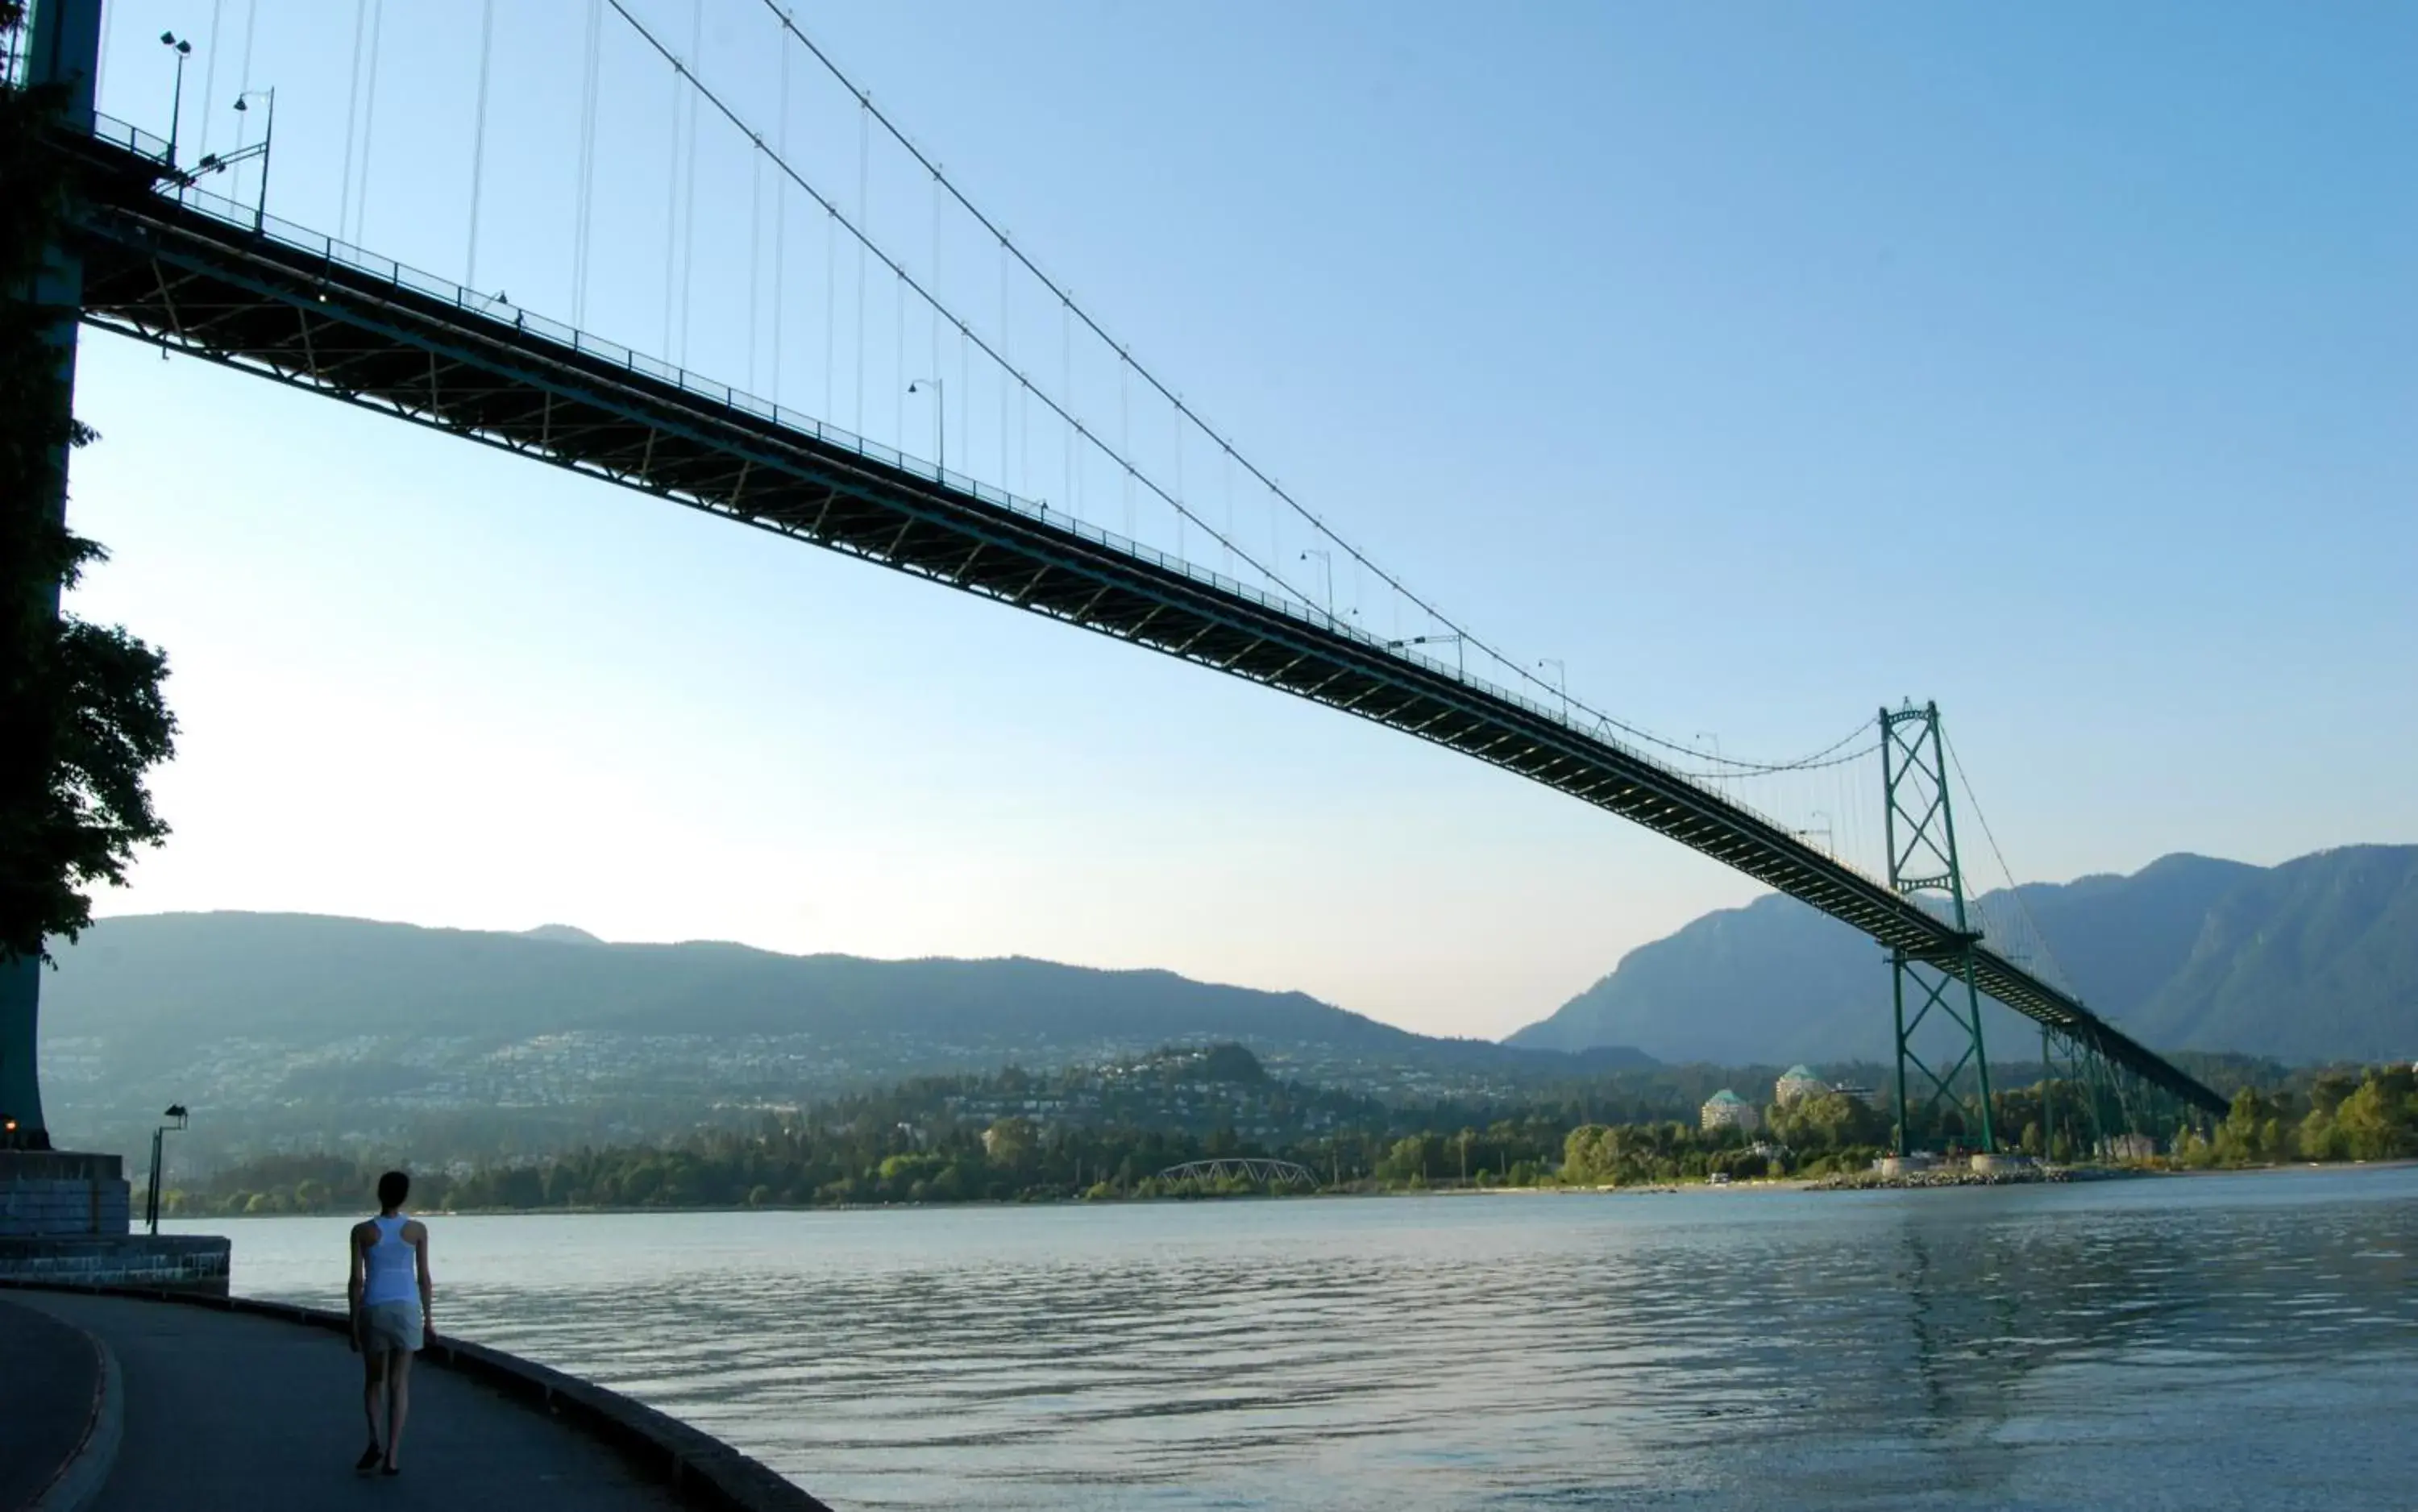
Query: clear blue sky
x: 1761, y: 363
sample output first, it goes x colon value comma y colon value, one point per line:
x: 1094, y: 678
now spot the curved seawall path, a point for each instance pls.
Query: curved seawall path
x: 250, y: 1405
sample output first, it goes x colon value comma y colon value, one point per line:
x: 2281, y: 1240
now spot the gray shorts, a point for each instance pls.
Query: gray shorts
x: 390, y: 1325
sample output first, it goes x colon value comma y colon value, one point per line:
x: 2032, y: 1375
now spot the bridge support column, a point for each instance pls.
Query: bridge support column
x: 62, y: 49
x: 1922, y: 833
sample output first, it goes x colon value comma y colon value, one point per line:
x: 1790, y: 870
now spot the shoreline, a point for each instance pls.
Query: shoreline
x: 1761, y: 1183
x: 1853, y: 1182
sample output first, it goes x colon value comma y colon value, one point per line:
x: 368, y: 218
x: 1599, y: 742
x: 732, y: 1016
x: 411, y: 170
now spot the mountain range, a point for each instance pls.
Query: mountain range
x: 304, y: 1022
x: 288, y: 1026
x: 2314, y: 959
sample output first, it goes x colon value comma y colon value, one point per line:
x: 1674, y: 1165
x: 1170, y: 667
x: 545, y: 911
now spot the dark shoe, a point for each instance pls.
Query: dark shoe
x: 369, y: 1461
x: 391, y: 1470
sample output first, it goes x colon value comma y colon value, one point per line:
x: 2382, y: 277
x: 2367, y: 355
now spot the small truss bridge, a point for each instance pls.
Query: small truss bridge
x: 1258, y: 1172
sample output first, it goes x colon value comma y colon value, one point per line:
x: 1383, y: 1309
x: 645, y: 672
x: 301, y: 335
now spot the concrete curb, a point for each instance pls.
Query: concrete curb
x: 702, y: 1471
x: 87, y: 1469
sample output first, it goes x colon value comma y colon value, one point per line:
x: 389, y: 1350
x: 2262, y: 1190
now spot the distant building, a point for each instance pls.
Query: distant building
x: 1726, y: 1109
x: 2127, y: 1147
x: 1865, y: 1096
x: 1798, y: 1082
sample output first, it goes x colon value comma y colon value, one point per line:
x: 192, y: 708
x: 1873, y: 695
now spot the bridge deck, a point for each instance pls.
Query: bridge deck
x: 290, y: 305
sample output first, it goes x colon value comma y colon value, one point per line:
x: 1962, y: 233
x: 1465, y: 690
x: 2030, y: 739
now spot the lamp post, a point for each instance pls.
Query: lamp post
x: 1326, y: 576
x: 1561, y: 682
x: 939, y: 422
x: 176, y: 106
x: 268, y: 135
x: 151, y: 1203
x: 1460, y: 656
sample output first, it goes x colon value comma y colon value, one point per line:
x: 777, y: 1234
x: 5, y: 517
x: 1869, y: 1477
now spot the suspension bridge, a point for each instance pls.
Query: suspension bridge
x: 168, y: 250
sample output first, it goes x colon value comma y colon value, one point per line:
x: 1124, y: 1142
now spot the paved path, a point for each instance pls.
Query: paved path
x: 46, y: 1394
x: 229, y: 1411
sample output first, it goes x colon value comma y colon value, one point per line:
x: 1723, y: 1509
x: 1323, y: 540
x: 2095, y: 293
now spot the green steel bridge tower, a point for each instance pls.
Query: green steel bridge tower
x: 1921, y: 827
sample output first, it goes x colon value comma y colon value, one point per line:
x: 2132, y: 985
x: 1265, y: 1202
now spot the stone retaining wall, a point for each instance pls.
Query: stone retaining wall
x: 153, y: 1262
x: 62, y: 1192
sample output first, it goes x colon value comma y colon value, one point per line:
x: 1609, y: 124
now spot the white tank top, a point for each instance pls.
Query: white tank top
x: 391, y: 1266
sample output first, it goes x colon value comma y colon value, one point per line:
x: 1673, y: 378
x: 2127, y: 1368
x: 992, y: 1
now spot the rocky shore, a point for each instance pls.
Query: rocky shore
x: 1960, y: 1175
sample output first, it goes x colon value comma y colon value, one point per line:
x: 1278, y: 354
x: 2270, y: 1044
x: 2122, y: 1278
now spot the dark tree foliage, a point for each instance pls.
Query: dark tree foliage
x: 81, y: 704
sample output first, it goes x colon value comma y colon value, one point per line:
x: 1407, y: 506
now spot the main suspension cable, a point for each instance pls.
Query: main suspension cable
x: 1514, y: 665
x: 2012, y: 886
x: 971, y: 342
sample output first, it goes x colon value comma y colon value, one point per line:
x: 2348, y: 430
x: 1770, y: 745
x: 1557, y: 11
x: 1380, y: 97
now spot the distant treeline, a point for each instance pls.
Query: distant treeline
x: 916, y: 1144
x: 2334, y: 1115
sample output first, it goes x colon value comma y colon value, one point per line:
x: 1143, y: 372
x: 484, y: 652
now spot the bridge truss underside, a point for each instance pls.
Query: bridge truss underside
x: 166, y: 273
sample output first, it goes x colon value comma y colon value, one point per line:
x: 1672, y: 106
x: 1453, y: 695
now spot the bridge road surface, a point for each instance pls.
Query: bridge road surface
x: 232, y: 1413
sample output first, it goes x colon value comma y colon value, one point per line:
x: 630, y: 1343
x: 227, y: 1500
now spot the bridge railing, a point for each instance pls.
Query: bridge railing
x: 528, y: 323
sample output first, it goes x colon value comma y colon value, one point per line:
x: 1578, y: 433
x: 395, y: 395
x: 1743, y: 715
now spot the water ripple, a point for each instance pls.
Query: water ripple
x: 2205, y: 1343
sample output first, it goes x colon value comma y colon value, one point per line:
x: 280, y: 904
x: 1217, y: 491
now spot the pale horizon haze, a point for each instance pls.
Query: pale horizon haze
x: 1754, y: 366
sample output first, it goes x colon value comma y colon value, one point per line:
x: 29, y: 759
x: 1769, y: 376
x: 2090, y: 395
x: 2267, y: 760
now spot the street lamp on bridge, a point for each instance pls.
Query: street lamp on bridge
x: 177, y: 104
x: 268, y: 134
x: 1561, y: 682
x: 1326, y: 575
x: 939, y: 422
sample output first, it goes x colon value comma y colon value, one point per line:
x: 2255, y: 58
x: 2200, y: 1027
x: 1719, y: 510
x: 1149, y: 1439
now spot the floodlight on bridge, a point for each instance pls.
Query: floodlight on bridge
x: 939, y: 422
x: 1460, y: 654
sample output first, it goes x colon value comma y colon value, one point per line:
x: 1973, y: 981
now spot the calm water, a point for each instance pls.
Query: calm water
x: 2246, y: 1341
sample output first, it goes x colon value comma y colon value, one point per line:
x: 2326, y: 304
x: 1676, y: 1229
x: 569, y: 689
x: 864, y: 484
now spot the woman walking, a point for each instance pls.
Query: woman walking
x: 389, y: 1297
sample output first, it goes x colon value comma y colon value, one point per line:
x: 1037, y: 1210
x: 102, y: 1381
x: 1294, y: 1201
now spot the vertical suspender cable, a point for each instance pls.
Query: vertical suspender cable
x: 1067, y: 388
x: 479, y: 139
x: 1066, y: 382
x: 899, y: 386
x: 936, y: 275
x: 780, y: 229
x: 352, y: 118
x: 755, y: 253
x: 688, y: 206
x: 210, y: 77
x: 830, y: 315
x: 369, y: 120
x: 1004, y: 357
x: 1229, y: 519
x: 1124, y: 432
x: 1276, y: 545
x: 671, y: 212
x: 587, y: 192
x: 864, y: 218
x: 1179, y: 481
x: 243, y: 81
